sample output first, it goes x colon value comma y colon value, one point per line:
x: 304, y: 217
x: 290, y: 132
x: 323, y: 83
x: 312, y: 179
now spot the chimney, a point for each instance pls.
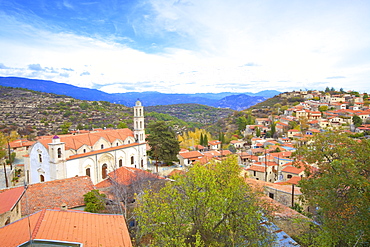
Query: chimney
x: 63, y: 207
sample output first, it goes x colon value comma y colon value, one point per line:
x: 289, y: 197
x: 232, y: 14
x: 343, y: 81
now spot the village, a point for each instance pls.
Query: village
x: 50, y: 175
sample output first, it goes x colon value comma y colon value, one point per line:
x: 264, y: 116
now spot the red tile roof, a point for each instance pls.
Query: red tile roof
x: 9, y: 198
x: 292, y: 169
x: 53, y: 194
x: 76, y: 141
x: 191, y: 154
x: 70, y: 226
x: 77, y: 156
x: 256, y: 168
x: 124, y: 175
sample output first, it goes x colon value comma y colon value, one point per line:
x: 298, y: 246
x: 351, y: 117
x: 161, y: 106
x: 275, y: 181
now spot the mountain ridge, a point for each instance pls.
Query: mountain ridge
x: 235, y: 101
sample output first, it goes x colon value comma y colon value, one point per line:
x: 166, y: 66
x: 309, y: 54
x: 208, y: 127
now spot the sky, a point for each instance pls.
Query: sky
x: 188, y: 46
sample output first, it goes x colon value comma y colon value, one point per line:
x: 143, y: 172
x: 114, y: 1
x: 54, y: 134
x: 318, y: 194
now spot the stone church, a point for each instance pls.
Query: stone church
x: 92, y: 154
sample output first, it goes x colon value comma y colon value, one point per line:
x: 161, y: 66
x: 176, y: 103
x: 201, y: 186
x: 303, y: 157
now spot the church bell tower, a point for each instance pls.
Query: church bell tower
x: 139, y: 131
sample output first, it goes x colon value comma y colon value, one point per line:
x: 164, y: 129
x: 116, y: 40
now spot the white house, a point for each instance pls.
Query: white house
x: 94, y: 154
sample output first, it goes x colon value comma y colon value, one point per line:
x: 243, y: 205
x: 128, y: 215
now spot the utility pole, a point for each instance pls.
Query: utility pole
x: 265, y: 167
x: 6, y: 177
x: 292, y: 195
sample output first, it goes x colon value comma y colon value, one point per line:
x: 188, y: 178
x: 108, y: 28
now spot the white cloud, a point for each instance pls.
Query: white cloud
x: 222, y: 46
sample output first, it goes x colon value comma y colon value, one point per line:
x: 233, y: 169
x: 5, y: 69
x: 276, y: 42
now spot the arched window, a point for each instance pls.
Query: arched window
x: 132, y: 160
x: 289, y: 176
x: 140, y: 112
x: 102, y: 146
x: 42, y: 178
x: 7, y: 221
x: 88, y: 172
x: 59, y: 153
x: 40, y: 158
x: 141, y: 124
x: 120, y: 163
x: 117, y: 144
x: 84, y: 150
x: 104, y: 171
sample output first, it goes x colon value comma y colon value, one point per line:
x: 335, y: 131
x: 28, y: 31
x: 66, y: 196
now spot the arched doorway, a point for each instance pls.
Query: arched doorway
x: 42, y: 178
x: 104, y: 171
x: 88, y: 172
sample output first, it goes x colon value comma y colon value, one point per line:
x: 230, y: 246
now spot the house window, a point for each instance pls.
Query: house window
x: 120, y: 163
x: 59, y: 153
x: 42, y: 178
x: 289, y: 176
x: 271, y: 195
x: 40, y: 158
x: 88, y: 172
x: 142, y: 163
x: 254, y: 173
x: 7, y: 221
x: 102, y: 146
x: 132, y: 160
x: 117, y: 144
x: 104, y: 171
x: 84, y: 150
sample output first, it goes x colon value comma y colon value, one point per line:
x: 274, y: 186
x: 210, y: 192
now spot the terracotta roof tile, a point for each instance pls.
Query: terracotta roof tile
x: 9, y: 198
x: 54, y: 193
x: 124, y: 175
x: 76, y: 141
x: 191, y: 154
x: 71, y: 226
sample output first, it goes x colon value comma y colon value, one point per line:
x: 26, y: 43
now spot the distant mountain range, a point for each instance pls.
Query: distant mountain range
x: 220, y: 100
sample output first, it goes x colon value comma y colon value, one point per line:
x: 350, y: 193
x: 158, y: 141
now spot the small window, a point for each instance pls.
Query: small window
x: 142, y: 163
x: 7, y: 222
x: 271, y: 195
x: 120, y: 163
x: 40, y: 158
x: 102, y: 146
x: 289, y: 176
x: 88, y: 172
x: 84, y: 150
x: 254, y: 173
x: 132, y: 160
x: 59, y: 153
x: 42, y: 178
x: 117, y: 144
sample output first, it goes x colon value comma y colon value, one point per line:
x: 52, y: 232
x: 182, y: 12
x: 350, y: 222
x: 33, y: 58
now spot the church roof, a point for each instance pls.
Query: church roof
x: 78, y: 140
x: 70, y: 226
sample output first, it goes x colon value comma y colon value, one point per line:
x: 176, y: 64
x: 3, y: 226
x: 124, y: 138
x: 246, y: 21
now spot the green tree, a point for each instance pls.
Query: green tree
x: 122, y: 125
x: 94, y: 201
x: 339, y: 188
x: 205, y: 141
x: 163, y: 142
x: 258, y: 132
x: 201, y: 139
x: 323, y: 108
x: 241, y: 122
x: 211, y: 205
x: 357, y: 121
x: 273, y: 129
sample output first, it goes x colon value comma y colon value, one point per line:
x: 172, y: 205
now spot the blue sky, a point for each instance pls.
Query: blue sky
x: 176, y: 46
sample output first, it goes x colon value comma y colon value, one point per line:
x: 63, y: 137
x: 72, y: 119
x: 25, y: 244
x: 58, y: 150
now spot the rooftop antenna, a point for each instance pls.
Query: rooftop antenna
x: 28, y: 212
